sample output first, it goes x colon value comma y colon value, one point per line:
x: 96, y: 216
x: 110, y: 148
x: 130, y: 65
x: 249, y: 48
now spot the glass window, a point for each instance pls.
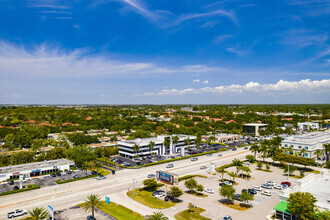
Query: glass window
x: 306, y: 148
x: 306, y: 154
x: 299, y: 147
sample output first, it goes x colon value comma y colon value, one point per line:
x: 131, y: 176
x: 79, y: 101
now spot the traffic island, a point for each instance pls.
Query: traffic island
x: 191, y: 214
x: 194, y: 193
x: 233, y: 205
x: 145, y: 197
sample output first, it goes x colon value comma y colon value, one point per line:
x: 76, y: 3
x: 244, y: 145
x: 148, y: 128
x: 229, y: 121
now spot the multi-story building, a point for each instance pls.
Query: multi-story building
x: 222, y: 137
x: 128, y: 148
x: 253, y: 128
x: 310, y: 142
x: 308, y: 125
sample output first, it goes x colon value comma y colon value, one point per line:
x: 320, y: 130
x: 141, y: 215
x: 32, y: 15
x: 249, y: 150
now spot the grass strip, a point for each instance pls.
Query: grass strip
x: 191, y: 176
x: 28, y: 188
x: 73, y: 180
x: 146, y: 198
x: 191, y: 214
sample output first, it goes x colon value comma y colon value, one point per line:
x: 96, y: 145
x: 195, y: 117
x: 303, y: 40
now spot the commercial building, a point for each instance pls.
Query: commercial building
x: 128, y: 148
x: 34, y: 169
x: 253, y: 128
x: 222, y: 137
x: 310, y: 142
x: 308, y: 126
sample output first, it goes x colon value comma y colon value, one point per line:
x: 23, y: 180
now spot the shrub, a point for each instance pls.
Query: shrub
x: 190, y: 176
x: 259, y: 165
x: 29, y: 187
x: 250, y: 158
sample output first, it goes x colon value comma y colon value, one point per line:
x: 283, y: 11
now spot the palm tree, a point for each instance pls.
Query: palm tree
x: 187, y: 141
x: 290, y: 149
x: 167, y: 143
x: 92, y: 202
x: 208, y: 141
x: 97, y: 166
x: 318, y: 154
x: 85, y: 166
x: 175, y: 140
x: 327, y: 151
x: 157, y: 216
x: 151, y: 145
x: 237, y: 163
x: 136, y: 148
x: 263, y: 149
x: 221, y: 170
x: 37, y: 213
x: 233, y: 175
x: 255, y: 149
x: 212, y: 138
x: 198, y: 141
x: 247, y: 170
x: 303, y: 151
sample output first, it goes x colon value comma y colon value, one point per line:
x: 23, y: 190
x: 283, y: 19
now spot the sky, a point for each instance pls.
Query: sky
x: 164, y: 52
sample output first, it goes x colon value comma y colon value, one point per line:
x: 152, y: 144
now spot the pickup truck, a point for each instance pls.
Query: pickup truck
x: 16, y: 213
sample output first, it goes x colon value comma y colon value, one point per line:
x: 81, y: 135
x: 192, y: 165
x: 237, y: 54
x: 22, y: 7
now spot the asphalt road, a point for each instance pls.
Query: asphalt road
x: 69, y: 194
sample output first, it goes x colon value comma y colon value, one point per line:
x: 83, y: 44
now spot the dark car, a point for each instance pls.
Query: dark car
x: 151, y: 176
x: 222, y: 184
x: 246, y: 148
x: 168, y: 197
x: 58, y: 174
x: 69, y: 172
x: 252, y: 191
x: 234, y: 149
x: 15, y: 188
x: 286, y: 183
x: 90, y: 218
x: 238, y: 197
x: 11, y: 182
x: 93, y: 172
x: 243, y: 190
x: 139, y: 163
x: 53, y: 175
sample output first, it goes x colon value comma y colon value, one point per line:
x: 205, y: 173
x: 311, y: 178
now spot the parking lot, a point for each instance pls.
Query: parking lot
x: 42, y: 181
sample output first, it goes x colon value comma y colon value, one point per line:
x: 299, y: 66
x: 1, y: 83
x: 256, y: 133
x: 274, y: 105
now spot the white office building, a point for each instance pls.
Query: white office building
x: 34, y: 169
x: 308, y: 125
x: 127, y: 148
x: 310, y: 142
x: 253, y: 128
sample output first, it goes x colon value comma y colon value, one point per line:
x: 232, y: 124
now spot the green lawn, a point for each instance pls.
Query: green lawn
x: 146, y: 198
x: 120, y: 212
x: 194, y: 193
x: 195, y: 215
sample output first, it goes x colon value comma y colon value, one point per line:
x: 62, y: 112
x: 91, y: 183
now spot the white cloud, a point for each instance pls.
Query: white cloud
x: 52, y: 62
x: 221, y: 38
x: 282, y: 86
x: 205, y: 82
x: 303, y: 38
x: 196, y: 81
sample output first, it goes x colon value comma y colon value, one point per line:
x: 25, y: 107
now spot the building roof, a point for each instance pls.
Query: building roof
x: 32, y: 166
x: 255, y: 124
x: 309, y: 138
x: 282, y: 206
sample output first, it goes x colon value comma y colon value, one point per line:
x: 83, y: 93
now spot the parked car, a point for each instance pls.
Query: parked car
x: 90, y: 217
x: 246, y: 148
x: 279, y: 187
x: 75, y: 176
x: 168, y: 197
x: 266, y: 193
x: 227, y: 217
x: 58, y: 174
x: 93, y: 172
x: 209, y: 154
x: 203, y: 167
x: 257, y: 188
x: 158, y: 192
x: 151, y: 176
x: 209, y: 191
x: 139, y: 163
x: 53, y: 175
x: 243, y: 190
x: 15, y: 188
x: 101, y: 177
x: 252, y: 191
x: 270, y: 183
x: 170, y: 165
x: 266, y: 186
x: 286, y: 183
x: 246, y: 163
x: 194, y: 159
x: 16, y: 213
x: 237, y: 197
x: 228, y: 183
x: 222, y: 184
x: 219, y: 155
x: 69, y: 172
x: 11, y: 182
x: 234, y: 149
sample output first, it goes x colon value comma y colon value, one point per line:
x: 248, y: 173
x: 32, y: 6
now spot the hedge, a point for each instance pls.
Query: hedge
x: 294, y: 159
x: 190, y: 176
x: 28, y: 188
x: 73, y: 180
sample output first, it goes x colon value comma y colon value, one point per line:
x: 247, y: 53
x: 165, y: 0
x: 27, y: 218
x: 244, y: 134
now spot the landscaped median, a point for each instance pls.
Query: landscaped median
x: 191, y: 214
x: 73, y: 180
x: 119, y: 212
x: 191, y: 176
x: 28, y: 188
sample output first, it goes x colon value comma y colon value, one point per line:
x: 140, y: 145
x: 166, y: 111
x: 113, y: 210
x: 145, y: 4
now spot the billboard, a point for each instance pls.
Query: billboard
x: 167, y: 177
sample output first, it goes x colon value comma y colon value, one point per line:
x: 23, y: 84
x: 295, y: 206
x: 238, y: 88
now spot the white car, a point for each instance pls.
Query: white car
x: 270, y: 183
x: 228, y: 183
x: 246, y: 163
x: 257, y: 188
x: 101, y: 177
x: 16, y: 213
x: 158, y: 195
x: 209, y: 191
x: 280, y: 187
x: 266, y: 193
x: 203, y: 167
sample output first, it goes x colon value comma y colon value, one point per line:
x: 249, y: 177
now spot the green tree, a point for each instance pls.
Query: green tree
x: 92, y: 203
x: 221, y: 170
x: 85, y: 166
x: 232, y: 175
x: 191, y: 184
x: 97, y: 166
x: 255, y: 149
x: 37, y: 213
x: 247, y: 170
x: 157, y: 216
x: 259, y: 165
x: 167, y: 143
x: 318, y: 154
x: 200, y: 188
x: 238, y: 164
x: 136, y: 148
x: 303, y: 151
x: 302, y: 205
x: 150, y: 184
x: 246, y: 197
x: 151, y: 145
x: 176, y: 192
x: 227, y: 191
x: 267, y: 167
x: 250, y: 158
x: 327, y: 151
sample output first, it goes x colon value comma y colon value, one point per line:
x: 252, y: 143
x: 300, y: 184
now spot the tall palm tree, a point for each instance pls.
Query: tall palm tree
x: 247, y: 170
x: 151, y: 145
x: 97, y: 166
x: 290, y: 149
x: 318, y: 154
x: 221, y: 170
x: 85, y: 166
x: 175, y: 140
x: 208, y: 141
x: 93, y: 201
x: 255, y: 149
x: 198, y: 141
x: 187, y: 141
x: 264, y: 150
x: 37, y: 213
x: 167, y: 143
x: 303, y: 151
x: 136, y: 148
x: 212, y: 138
x: 157, y: 216
x: 233, y: 175
x: 327, y: 151
x: 238, y: 164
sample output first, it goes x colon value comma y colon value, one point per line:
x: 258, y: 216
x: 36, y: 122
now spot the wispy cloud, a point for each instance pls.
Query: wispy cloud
x: 205, y: 82
x: 140, y: 8
x: 302, y: 86
x: 303, y: 38
x: 242, y: 50
x: 222, y: 38
x: 313, y: 8
x: 50, y: 6
x: 196, y: 81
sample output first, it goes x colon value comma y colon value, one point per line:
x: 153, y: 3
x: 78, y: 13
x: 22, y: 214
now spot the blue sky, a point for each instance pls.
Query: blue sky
x: 168, y: 51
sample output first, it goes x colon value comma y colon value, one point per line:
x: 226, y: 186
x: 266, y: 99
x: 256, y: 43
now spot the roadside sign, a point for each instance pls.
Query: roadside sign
x: 51, y: 212
x: 167, y: 177
x: 107, y: 200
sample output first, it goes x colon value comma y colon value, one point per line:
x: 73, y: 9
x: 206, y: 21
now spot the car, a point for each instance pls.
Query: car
x: 168, y: 197
x: 11, y: 182
x: 93, y: 172
x: 246, y: 148
x: 286, y: 183
x: 90, y: 217
x: 209, y: 191
x: 75, y: 176
x: 266, y: 186
x: 234, y: 149
x: 228, y: 183
x: 16, y: 213
x: 257, y: 188
x: 58, y: 174
x: 15, y: 188
x: 209, y: 154
x: 139, y: 163
x: 158, y: 192
x: 266, y: 193
x: 222, y: 184
x: 69, y: 172
x: 170, y: 165
x: 237, y: 197
x: 252, y: 191
x: 101, y: 177
x: 270, y: 183
x: 194, y: 159
x: 151, y: 176
x: 243, y: 190
x: 203, y: 167
x: 227, y: 217
x: 219, y: 155
x: 246, y: 163
x: 279, y: 187
x: 53, y: 175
